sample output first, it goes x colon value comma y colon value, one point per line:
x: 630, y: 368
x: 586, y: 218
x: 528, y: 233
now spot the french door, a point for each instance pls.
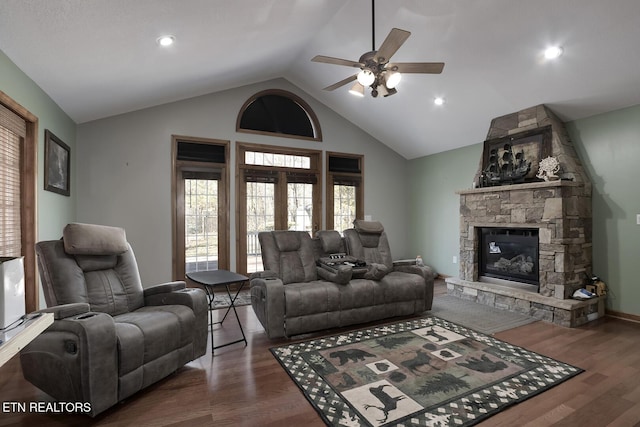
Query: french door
x: 277, y: 190
x: 201, y: 238
x: 201, y: 219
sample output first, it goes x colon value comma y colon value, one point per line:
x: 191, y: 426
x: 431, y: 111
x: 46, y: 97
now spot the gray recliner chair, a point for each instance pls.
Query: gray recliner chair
x: 111, y: 337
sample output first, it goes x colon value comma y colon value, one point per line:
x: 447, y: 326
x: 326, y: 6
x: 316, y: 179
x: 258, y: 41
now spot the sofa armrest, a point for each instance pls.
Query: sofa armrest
x: 427, y: 273
x: 75, y: 360
x: 194, y: 298
x: 66, y: 310
x: 164, y: 288
x: 267, y: 274
x: 267, y: 299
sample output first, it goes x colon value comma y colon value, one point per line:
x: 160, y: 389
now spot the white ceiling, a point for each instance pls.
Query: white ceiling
x: 98, y: 58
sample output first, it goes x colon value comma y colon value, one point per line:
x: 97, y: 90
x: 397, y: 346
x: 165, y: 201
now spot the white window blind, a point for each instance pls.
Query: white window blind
x: 12, y: 132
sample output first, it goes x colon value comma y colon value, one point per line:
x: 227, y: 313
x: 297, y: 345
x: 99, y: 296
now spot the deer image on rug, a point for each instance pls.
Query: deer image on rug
x: 419, y: 372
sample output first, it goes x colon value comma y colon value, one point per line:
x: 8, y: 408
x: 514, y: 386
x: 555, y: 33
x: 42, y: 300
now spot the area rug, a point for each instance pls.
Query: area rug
x: 424, y: 372
x: 479, y: 317
x: 221, y: 299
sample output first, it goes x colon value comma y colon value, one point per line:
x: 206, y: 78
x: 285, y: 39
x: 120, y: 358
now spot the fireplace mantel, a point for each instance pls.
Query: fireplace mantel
x: 524, y: 186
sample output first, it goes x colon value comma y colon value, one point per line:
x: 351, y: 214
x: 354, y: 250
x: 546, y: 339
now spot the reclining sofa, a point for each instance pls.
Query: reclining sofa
x: 110, y: 337
x: 306, y: 286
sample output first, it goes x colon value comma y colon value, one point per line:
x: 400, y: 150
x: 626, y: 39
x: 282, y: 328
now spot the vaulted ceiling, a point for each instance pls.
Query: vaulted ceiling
x: 97, y: 58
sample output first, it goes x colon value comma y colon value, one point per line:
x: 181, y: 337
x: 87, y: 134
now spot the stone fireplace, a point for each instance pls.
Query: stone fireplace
x: 526, y: 246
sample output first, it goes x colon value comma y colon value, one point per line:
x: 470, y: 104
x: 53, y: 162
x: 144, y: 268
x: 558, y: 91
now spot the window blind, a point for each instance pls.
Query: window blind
x: 193, y: 151
x: 205, y: 175
x: 352, y: 180
x: 302, y: 178
x: 12, y: 131
x: 260, y: 175
x: 344, y: 164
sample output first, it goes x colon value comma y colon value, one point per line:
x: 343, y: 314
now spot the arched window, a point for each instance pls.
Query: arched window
x: 278, y: 113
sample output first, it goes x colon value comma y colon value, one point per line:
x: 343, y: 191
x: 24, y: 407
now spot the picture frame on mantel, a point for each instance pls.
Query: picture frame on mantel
x: 536, y: 144
x: 57, y: 164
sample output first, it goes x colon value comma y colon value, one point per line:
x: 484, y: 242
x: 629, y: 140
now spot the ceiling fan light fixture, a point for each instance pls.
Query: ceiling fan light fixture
x: 392, y: 79
x: 357, y: 89
x: 366, y: 77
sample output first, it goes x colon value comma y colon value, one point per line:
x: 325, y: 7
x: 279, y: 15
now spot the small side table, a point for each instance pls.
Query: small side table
x: 15, y: 339
x: 209, y: 280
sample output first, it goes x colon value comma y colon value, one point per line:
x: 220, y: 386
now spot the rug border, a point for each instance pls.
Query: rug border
x: 482, y: 417
x: 306, y: 396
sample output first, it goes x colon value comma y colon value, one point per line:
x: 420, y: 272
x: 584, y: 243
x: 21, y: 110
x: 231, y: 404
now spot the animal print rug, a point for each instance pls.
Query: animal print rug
x: 425, y: 372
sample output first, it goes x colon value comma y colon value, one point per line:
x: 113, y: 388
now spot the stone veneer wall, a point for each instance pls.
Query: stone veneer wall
x: 561, y: 210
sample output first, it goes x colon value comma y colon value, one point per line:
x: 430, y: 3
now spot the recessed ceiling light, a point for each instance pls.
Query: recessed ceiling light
x: 438, y: 101
x: 553, y: 52
x: 166, y: 40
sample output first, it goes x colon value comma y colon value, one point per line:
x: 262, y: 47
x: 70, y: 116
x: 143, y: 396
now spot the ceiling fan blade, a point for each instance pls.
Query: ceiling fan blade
x: 417, y: 67
x: 336, y: 61
x: 391, y: 44
x: 341, y: 82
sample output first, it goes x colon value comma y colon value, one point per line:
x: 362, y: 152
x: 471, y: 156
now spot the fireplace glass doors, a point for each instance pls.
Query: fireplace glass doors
x: 509, y: 254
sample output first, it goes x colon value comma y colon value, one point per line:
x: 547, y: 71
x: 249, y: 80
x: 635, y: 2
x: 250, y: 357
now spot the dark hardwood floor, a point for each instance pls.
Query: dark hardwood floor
x: 245, y: 386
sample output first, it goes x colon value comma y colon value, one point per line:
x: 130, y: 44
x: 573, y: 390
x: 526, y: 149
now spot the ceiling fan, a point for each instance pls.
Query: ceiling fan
x: 376, y: 71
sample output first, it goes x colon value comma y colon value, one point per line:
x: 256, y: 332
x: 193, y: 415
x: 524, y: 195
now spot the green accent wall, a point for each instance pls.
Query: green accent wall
x: 434, y: 206
x: 609, y: 147
x: 54, y: 210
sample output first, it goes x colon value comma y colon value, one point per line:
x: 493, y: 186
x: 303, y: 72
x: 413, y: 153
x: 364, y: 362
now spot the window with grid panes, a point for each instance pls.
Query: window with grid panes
x: 345, y: 194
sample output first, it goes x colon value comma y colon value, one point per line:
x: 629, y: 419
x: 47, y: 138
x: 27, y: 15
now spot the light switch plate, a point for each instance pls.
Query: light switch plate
x: 638, y: 219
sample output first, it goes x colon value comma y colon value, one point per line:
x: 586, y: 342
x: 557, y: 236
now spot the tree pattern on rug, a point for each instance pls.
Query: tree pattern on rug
x: 422, y: 372
x: 443, y: 383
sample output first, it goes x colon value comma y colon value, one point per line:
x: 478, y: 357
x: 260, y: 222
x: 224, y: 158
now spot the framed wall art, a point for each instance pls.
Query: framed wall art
x: 534, y: 145
x: 57, y: 164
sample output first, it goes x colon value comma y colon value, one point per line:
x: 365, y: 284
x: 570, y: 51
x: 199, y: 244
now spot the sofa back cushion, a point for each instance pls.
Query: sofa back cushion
x: 94, y: 239
x: 289, y: 254
x: 330, y: 242
x: 368, y: 241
